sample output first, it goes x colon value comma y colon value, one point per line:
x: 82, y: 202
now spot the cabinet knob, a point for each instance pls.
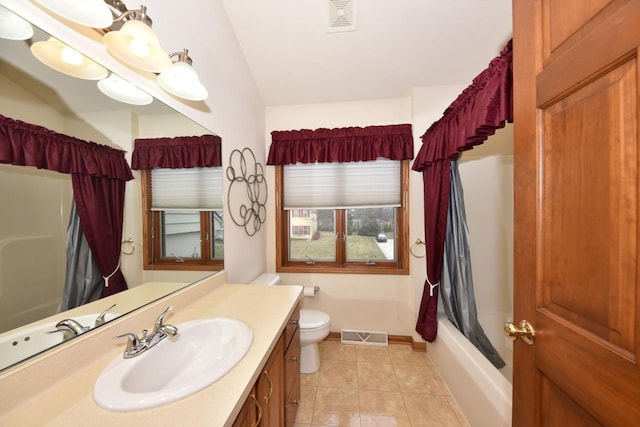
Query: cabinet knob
x: 293, y: 321
x: 295, y: 401
x: 295, y: 358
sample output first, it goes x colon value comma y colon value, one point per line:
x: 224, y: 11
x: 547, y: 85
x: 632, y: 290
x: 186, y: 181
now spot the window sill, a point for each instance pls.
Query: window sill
x: 183, y: 267
x: 373, y: 269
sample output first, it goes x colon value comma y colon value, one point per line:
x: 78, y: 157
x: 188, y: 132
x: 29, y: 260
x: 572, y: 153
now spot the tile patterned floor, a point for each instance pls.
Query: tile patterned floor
x: 366, y: 386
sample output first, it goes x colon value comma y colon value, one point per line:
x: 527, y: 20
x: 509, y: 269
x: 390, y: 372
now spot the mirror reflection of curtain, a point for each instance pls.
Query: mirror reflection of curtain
x: 83, y: 282
x: 98, y: 174
x: 100, y: 204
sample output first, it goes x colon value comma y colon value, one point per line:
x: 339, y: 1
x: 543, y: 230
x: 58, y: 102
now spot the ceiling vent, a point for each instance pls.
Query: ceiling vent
x: 341, y: 15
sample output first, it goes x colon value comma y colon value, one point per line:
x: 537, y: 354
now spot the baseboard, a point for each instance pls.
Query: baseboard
x: 393, y: 339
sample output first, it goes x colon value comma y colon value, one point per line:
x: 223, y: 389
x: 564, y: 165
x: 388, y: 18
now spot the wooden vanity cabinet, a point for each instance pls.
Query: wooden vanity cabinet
x: 292, y: 369
x: 274, y: 399
x: 265, y: 405
x: 248, y: 416
x: 270, y: 387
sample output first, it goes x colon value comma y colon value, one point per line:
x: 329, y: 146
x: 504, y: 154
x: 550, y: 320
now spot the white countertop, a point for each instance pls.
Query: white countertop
x: 57, y: 389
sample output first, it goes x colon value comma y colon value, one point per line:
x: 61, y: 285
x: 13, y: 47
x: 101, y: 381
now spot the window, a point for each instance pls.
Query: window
x: 342, y: 199
x: 183, y: 221
x: 343, y: 217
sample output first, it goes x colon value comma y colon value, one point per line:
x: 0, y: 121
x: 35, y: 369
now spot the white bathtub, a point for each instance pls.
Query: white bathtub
x: 482, y: 392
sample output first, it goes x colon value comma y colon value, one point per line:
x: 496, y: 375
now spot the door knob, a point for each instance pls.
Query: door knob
x: 524, y: 331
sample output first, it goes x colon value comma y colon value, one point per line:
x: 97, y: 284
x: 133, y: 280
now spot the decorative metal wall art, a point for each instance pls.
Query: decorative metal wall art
x: 247, y: 194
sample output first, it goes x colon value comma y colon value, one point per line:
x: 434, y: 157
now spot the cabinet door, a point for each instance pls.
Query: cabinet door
x: 250, y: 413
x: 292, y: 380
x: 271, y: 389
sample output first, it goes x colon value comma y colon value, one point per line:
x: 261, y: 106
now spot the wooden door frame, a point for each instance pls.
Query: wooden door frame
x: 525, y: 50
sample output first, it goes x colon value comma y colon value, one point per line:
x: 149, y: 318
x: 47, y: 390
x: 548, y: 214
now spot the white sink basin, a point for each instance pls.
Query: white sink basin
x: 25, y: 343
x: 201, y: 353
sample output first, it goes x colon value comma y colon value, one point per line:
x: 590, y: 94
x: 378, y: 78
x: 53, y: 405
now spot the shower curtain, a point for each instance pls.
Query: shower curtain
x: 83, y: 282
x: 456, y: 284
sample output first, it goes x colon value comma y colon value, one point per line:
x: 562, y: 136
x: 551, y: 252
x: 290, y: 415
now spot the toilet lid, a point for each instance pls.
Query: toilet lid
x: 310, y: 319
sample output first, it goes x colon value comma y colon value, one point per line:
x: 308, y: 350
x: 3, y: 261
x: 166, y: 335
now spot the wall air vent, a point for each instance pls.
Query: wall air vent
x: 341, y: 15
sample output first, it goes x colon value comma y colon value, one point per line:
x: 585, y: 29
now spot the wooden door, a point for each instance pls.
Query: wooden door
x: 576, y: 212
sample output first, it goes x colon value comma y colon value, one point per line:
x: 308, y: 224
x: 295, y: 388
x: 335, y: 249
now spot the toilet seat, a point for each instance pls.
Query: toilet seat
x: 313, y: 319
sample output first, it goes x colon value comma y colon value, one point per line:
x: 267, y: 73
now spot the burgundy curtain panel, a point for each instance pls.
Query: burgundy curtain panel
x: 98, y: 174
x: 100, y: 205
x: 483, y: 107
x: 176, y: 153
x: 350, y: 144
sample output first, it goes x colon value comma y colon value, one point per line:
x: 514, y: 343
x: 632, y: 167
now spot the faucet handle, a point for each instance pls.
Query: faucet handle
x: 100, y: 319
x: 134, y: 345
x: 159, y: 321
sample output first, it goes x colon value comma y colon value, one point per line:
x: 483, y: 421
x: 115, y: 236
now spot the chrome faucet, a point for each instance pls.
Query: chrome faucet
x: 137, y: 345
x: 71, y: 326
x: 100, y: 320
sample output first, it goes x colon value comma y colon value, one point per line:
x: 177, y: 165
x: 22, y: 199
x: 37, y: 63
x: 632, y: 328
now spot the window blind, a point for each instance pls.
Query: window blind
x: 342, y: 185
x: 186, y: 189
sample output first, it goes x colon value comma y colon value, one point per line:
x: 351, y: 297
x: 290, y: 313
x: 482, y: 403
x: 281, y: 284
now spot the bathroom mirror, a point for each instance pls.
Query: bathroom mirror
x: 33, y: 93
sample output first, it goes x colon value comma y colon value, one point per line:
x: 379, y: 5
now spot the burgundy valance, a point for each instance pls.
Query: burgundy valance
x: 350, y: 144
x: 25, y: 144
x: 178, y: 152
x: 475, y: 115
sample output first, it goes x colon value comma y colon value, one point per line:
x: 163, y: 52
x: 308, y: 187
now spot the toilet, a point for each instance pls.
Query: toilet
x: 314, y: 327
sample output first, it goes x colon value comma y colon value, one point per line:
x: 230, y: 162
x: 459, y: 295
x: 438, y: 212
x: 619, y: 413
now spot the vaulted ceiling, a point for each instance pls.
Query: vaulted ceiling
x: 398, y: 45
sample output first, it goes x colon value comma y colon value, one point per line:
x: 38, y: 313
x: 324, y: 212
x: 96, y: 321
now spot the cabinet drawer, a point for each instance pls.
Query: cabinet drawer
x: 292, y: 327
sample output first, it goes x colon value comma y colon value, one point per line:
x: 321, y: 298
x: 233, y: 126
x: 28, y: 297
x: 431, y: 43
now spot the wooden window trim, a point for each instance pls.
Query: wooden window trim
x: 401, y: 267
x: 151, y: 246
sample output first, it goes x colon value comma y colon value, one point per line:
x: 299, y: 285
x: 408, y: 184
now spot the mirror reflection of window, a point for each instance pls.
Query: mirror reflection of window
x: 182, y: 188
x: 182, y: 235
x: 186, y: 217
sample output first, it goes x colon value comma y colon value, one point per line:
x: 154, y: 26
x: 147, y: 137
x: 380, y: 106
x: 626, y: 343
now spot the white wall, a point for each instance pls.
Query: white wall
x: 487, y: 178
x: 391, y: 303
x: 372, y: 302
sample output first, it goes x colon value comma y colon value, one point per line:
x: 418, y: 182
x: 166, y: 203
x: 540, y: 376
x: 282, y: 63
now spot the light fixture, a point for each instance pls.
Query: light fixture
x: 121, y: 90
x: 13, y: 27
x: 57, y: 55
x: 91, y: 13
x: 136, y: 44
x: 181, y: 79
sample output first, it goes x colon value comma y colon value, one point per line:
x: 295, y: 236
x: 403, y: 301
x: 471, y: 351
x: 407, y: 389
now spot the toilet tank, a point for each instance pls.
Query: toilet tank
x: 267, y: 279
